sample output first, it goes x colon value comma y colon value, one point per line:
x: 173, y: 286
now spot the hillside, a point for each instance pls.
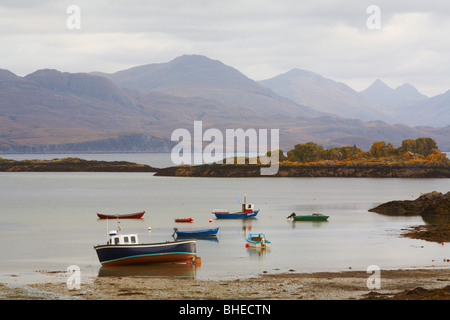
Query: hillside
x: 405, y: 104
x: 193, y: 76
x: 323, y: 94
x: 53, y: 111
x: 434, y: 111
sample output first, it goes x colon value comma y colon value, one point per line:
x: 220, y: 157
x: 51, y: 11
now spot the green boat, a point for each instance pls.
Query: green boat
x: 309, y: 217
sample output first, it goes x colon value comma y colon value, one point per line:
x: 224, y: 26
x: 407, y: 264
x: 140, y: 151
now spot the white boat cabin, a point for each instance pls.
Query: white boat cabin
x: 247, y: 207
x: 115, y: 238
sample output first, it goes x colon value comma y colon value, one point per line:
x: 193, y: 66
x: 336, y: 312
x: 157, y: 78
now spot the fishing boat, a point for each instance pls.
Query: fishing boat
x: 257, y: 240
x: 125, y: 249
x: 211, y: 232
x: 248, y: 211
x: 309, y: 217
x: 184, y: 219
x: 136, y: 215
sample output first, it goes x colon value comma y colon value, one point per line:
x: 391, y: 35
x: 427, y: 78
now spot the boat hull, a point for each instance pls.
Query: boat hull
x: 198, y: 233
x: 136, y: 215
x: 184, y: 220
x: 237, y: 215
x: 310, y: 218
x: 134, y: 254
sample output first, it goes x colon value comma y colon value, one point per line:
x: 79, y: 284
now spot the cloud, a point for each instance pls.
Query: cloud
x: 260, y: 38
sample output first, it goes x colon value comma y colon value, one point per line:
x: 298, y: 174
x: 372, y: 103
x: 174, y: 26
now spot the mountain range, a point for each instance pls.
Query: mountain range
x: 138, y: 108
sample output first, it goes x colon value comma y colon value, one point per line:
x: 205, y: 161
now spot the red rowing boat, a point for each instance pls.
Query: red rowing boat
x: 136, y: 215
x: 184, y: 220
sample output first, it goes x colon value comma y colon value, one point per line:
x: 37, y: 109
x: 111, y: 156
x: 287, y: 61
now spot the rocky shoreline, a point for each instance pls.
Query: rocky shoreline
x: 317, y: 170
x: 402, y: 284
x: 427, y: 170
x: 434, y: 207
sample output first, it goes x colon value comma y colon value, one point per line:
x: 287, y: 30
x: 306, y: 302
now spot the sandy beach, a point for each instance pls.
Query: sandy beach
x: 406, y: 284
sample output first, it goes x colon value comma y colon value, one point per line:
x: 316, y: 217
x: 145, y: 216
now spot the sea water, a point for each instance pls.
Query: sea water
x: 48, y: 221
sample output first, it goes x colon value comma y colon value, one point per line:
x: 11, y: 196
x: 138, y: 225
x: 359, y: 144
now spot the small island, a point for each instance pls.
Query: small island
x: 419, y: 158
x: 71, y: 164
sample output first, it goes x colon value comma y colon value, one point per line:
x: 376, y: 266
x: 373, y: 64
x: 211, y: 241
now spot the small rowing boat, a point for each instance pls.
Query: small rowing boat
x: 257, y: 240
x: 211, y: 232
x: 184, y: 219
x: 308, y: 217
x: 136, y: 215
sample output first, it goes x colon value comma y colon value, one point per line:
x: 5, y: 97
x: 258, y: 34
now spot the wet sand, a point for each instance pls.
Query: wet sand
x: 405, y: 284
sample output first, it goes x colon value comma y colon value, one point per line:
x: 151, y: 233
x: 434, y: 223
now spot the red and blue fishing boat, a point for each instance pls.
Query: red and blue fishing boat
x: 125, y: 249
x: 248, y: 211
x: 136, y: 215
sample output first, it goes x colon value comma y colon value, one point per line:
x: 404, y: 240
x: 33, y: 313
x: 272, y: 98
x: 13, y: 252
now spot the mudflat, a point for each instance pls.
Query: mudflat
x: 403, y: 284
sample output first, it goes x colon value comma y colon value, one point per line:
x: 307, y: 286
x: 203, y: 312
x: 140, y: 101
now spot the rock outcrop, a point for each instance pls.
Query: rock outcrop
x: 433, y: 203
x: 72, y: 165
x: 317, y: 170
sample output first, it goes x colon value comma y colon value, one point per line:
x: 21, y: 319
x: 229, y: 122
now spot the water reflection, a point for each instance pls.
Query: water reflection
x: 314, y: 224
x: 257, y: 252
x: 436, y: 219
x: 162, y: 270
x: 247, y: 226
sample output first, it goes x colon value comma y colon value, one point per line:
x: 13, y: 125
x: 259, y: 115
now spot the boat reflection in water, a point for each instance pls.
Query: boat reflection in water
x: 161, y: 270
x: 258, y: 253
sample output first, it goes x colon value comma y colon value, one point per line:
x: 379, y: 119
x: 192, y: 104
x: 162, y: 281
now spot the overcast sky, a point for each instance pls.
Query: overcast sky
x: 260, y: 38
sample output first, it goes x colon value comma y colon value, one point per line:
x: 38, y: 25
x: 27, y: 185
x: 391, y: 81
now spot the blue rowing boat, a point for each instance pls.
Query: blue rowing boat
x: 211, y: 232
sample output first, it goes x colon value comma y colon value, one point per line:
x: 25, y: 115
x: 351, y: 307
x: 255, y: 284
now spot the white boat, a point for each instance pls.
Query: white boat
x: 257, y: 240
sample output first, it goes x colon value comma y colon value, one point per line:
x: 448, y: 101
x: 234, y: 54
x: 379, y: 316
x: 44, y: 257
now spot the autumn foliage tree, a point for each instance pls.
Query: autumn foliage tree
x: 418, y: 150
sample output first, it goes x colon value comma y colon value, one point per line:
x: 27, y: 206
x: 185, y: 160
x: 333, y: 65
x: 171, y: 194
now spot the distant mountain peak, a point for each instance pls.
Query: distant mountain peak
x: 323, y: 94
x: 194, y: 58
x: 381, y: 93
x: 6, y: 74
x: 378, y: 85
x: 410, y: 92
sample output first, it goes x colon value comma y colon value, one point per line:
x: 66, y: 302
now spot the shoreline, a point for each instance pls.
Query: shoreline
x: 72, y: 165
x: 398, y: 284
x: 308, y: 170
x: 361, y: 170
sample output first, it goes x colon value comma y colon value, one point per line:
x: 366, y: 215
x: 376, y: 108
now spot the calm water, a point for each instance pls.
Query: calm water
x: 48, y: 221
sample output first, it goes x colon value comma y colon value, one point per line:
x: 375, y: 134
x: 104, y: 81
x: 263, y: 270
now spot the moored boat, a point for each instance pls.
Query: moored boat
x: 184, y: 219
x: 136, y: 215
x: 258, y: 240
x: 126, y: 250
x: 248, y: 211
x: 211, y: 232
x: 309, y: 217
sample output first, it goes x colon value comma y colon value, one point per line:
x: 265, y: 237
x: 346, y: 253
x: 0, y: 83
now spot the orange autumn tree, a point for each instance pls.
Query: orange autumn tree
x: 418, y: 150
